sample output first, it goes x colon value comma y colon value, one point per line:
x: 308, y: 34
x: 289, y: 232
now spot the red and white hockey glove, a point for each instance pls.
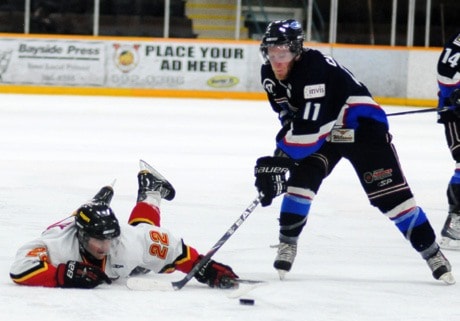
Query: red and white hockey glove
x: 217, y: 275
x: 74, y: 274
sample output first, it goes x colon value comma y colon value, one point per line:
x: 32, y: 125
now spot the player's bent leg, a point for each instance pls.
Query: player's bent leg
x: 303, y: 184
x: 413, y: 223
x: 145, y: 213
x: 450, y: 233
x: 388, y: 190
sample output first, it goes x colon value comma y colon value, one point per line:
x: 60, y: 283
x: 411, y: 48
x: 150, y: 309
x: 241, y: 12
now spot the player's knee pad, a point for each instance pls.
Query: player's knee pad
x: 310, y: 172
x: 392, y: 204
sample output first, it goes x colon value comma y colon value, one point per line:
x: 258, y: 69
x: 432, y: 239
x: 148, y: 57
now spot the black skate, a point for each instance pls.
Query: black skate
x: 441, y: 268
x: 451, y: 232
x: 104, y: 196
x: 151, y: 180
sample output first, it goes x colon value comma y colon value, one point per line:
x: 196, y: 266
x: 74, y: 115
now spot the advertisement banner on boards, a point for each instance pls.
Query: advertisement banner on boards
x: 124, y: 64
x: 184, y: 65
x: 52, y: 62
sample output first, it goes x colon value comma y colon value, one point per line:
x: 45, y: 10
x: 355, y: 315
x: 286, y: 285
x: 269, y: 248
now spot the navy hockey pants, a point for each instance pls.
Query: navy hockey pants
x: 376, y: 164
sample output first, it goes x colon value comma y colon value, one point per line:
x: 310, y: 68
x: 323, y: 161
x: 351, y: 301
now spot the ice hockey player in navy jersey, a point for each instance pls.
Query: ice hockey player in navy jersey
x: 326, y: 114
x: 90, y: 247
x: 449, y: 115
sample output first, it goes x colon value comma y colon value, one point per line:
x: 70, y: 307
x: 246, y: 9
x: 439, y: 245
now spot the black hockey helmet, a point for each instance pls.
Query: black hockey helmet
x: 96, y: 220
x: 283, y: 32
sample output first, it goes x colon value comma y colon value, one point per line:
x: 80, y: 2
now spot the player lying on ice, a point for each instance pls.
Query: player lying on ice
x: 91, y: 247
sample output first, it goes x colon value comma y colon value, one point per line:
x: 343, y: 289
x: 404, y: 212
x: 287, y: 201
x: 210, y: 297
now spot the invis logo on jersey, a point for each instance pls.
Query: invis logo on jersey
x: 314, y: 91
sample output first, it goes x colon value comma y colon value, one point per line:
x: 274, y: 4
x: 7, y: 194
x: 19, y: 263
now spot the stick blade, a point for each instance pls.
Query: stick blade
x: 244, y: 287
x: 144, y: 284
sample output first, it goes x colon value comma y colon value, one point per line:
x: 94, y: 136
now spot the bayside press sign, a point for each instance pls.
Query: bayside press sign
x: 127, y: 64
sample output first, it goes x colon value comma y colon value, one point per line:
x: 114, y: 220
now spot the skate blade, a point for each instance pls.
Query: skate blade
x: 447, y: 278
x: 282, y: 274
x: 449, y: 244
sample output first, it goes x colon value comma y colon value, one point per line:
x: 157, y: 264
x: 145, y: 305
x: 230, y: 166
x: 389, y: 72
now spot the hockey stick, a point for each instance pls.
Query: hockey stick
x: 177, y: 285
x: 151, y: 284
x: 429, y: 110
x: 148, y: 284
x: 180, y: 284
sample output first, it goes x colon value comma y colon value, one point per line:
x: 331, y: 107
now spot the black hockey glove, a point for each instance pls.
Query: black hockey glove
x: 217, y: 275
x: 270, y: 173
x: 455, y: 101
x: 74, y: 274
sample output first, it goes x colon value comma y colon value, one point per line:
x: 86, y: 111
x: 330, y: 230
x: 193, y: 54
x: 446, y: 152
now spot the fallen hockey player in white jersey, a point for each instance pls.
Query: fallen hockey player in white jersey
x: 90, y: 247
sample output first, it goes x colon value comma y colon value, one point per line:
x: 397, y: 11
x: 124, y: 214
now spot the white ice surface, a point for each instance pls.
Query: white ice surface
x: 352, y: 263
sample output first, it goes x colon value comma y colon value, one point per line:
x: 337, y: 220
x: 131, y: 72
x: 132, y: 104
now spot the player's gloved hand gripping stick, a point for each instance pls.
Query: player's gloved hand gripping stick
x: 180, y: 284
x: 143, y: 284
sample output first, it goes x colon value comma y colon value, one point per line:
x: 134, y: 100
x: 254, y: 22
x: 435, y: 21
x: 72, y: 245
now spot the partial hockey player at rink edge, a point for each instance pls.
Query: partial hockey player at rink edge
x: 91, y: 247
x: 449, y: 115
x: 327, y: 114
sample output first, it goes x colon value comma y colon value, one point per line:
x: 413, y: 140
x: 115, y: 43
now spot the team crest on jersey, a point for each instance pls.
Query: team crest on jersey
x: 457, y: 40
x: 269, y: 85
x: 314, y: 91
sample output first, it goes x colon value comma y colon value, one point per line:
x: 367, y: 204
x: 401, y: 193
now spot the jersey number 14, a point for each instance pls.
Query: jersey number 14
x: 449, y: 58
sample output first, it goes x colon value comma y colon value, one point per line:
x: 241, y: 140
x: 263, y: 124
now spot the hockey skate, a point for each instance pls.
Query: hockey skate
x: 285, y: 258
x: 441, y: 268
x: 451, y: 232
x: 104, y: 196
x: 150, y: 180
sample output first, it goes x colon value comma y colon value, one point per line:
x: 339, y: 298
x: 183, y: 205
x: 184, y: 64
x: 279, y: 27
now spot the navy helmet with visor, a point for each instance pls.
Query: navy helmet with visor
x: 282, y: 33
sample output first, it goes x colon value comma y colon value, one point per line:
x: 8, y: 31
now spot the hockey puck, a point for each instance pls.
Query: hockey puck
x: 247, y: 301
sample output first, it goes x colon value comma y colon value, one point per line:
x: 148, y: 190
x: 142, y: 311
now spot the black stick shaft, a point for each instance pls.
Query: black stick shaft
x: 181, y: 283
x: 429, y: 110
